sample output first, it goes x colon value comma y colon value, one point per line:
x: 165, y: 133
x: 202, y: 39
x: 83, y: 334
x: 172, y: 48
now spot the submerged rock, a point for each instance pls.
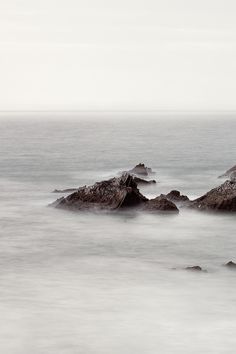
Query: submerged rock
x: 230, y: 264
x: 160, y: 204
x: 139, y: 181
x: 194, y: 269
x: 112, y: 194
x: 141, y: 169
x: 222, y: 198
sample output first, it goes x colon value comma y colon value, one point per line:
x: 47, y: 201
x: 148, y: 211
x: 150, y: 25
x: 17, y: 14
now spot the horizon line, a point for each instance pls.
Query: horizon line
x: 123, y: 111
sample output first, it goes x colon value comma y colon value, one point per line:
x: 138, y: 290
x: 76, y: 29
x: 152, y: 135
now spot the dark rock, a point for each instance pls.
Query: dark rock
x: 194, y: 268
x: 222, y: 198
x: 68, y: 190
x: 160, y: 204
x: 175, y: 196
x: 139, y: 181
x: 228, y: 172
x: 141, y: 169
x: 115, y: 193
x: 230, y: 264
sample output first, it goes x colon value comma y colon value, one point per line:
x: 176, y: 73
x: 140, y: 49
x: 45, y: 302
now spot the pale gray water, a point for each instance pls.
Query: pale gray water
x: 102, y: 284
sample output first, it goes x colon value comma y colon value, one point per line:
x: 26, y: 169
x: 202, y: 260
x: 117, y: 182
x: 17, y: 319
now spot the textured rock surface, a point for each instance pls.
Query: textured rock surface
x: 222, y: 198
x: 116, y: 193
x: 112, y: 194
x: 160, y: 204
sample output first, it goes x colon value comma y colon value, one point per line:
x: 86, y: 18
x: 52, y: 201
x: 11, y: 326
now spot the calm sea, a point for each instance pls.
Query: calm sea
x: 103, y: 284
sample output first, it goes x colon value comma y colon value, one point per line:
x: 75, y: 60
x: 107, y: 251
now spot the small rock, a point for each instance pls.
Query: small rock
x: 230, y: 264
x: 194, y: 268
x: 176, y: 196
x: 141, y: 169
x: 160, y: 204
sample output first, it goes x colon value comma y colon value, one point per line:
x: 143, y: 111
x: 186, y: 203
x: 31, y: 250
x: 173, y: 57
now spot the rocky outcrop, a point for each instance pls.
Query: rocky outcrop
x: 68, y: 190
x: 229, y: 172
x: 176, y: 197
x: 222, y: 198
x: 141, y: 181
x: 160, y: 204
x: 113, y: 194
x: 141, y: 169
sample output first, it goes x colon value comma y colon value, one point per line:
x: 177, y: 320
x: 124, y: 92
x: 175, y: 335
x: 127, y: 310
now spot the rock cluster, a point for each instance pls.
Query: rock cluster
x: 113, y: 194
x: 122, y: 192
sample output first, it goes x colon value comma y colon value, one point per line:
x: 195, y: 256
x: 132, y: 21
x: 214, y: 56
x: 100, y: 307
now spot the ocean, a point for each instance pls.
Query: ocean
x: 91, y: 283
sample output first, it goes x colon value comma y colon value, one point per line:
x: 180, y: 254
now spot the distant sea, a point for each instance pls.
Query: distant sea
x: 104, y: 284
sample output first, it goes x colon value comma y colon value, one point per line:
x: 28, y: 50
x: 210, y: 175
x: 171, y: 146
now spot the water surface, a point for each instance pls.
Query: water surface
x: 102, y: 284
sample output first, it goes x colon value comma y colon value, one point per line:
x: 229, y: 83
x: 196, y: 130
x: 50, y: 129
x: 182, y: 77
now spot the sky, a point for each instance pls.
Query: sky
x: 118, y: 55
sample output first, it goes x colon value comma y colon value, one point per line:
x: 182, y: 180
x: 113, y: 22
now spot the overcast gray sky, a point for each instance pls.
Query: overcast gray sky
x: 117, y: 55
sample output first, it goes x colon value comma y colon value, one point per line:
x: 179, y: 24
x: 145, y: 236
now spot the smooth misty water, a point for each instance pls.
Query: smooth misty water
x: 103, y: 284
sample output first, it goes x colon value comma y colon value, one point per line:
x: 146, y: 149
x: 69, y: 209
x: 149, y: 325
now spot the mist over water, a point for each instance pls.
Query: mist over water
x: 104, y: 283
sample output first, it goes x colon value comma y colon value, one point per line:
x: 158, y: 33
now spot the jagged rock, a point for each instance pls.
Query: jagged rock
x: 116, y: 193
x: 231, y: 264
x: 112, y: 194
x: 160, y: 204
x: 176, y: 197
x: 68, y: 190
x: 222, y: 198
x: 228, y: 172
x: 141, y: 169
x: 139, y: 181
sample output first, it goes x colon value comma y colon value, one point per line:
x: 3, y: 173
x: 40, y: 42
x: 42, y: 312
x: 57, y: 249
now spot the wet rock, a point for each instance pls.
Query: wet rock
x: 231, y: 264
x: 141, y: 169
x: 114, y: 193
x: 140, y: 181
x: 175, y: 196
x: 222, y: 198
x: 229, y: 172
x: 68, y: 190
x: 160, y: 204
